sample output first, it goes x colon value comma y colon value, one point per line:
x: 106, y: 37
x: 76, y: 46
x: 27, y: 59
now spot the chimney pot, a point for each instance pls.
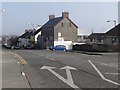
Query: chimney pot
x: 65, y: 14
x: 30, y: 30
x: 26, y: 30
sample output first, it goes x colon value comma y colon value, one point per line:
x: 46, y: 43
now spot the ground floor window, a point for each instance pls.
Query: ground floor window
x: 114, y: 40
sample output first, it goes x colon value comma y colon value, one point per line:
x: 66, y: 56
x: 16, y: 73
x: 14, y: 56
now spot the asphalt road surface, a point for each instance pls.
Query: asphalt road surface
x: 60, y: 69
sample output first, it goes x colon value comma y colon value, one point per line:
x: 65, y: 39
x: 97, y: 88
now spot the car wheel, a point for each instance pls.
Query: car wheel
x: 64, y: 50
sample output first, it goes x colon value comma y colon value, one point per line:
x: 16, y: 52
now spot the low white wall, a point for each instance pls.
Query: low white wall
x: 68, y: 44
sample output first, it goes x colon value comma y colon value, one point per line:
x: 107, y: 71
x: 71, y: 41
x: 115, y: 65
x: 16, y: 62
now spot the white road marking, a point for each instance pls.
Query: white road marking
x: 110, y: 64
x: 101, y: 75
x: 47, y: 57
x: 42, y: 55
x: 23, y: 73
x: 113, y: 73
x: 67, y: 81
x: 104, y: 64
x: 52, y: 59
x: 98, y: 56
x: 69, y: 76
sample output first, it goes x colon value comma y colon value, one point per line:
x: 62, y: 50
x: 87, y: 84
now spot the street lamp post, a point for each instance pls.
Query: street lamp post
x: 112, y: 21
x: 2, y: 11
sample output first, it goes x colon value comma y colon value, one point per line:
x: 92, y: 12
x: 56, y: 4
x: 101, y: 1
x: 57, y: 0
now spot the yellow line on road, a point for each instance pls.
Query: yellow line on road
x: 19, y: 57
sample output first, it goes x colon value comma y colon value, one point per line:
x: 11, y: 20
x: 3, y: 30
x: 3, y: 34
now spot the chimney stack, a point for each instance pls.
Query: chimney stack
x: 30, y: 30
x: 26, y: 30
x: 65, y: 14
x: 51, y: 16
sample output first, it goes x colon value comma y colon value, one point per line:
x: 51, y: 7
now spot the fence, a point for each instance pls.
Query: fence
x: 96, y: 47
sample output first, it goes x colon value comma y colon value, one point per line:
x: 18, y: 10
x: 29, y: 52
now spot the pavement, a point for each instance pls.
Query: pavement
x: 12, y: 72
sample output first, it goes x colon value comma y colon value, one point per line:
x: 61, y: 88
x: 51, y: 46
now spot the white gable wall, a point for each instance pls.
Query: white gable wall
x: 36, y: 36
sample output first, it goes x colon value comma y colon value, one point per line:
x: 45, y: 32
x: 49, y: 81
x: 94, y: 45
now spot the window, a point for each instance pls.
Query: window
x: 114, y: 40
x: 62, y: 24
x: 70, y: 24
x: 99, y: 40
x: 79, y: 37
x: 84, y: 37
x: 91, y: 40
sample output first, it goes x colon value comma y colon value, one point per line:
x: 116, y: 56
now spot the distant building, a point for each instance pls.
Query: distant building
x: 62, y: 28
x: 82, y: 38
x: 29, y: 38
x: 6, y: 40
x: 112, y: 37
x: 9, y: 40
x: 95, y: 38
x: 108, y: 41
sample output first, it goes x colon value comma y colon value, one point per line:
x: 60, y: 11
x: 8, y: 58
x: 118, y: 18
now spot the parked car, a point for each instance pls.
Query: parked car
x: 58, y: 47
x: 7, y: 47
x: 15, y: 47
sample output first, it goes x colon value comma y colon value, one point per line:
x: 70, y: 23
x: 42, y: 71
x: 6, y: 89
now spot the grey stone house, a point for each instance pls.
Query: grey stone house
x: 58, y: 25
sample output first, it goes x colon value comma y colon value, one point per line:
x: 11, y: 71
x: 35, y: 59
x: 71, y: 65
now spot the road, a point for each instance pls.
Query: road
x: 60, y: 69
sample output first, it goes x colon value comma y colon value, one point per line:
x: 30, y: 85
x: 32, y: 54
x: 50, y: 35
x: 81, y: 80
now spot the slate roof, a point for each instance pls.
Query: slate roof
x: 37, y: 31
x: 96, y: 35
x: 24, y: 35
x: 50, y: 24
x: 114, y: 31
x: 53, y: 22
x: 29, y: 33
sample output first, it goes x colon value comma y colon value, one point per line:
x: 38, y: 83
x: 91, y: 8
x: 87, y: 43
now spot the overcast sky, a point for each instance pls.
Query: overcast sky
x: 119, y: 12
x: 88, y: 16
